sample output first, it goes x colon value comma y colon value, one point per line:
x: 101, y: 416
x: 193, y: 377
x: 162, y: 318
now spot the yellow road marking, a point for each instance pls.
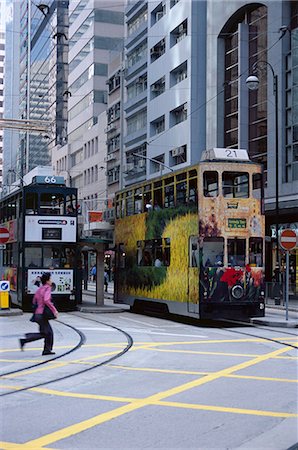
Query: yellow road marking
x: 89, y: 396
x: 140, y: 403
x: 194, y: 372
x: 253, y: 412
x: 197, y: 352
x: 14, y: 446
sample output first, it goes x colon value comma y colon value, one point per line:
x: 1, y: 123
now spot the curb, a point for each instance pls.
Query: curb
x: 101, y: 309
x: 10, y: 312
x: 275, y: 323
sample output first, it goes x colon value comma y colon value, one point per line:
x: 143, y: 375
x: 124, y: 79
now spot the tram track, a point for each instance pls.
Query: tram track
x: 79, y: 372
x: 273, y: 330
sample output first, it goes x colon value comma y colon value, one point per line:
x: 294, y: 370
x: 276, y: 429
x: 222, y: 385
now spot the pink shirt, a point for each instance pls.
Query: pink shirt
x: 42, y: 297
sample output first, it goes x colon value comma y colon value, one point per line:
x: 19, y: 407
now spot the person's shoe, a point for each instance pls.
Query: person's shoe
x: 22, y: 343
x: 46, y: 352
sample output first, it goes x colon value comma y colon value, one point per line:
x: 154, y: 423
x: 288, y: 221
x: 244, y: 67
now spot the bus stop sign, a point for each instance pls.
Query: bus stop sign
x: 288, y: 239
x: 4, y: 235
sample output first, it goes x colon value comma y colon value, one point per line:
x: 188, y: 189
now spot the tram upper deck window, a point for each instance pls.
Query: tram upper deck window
x: 129, y: 203
x: 181, y: 191
x: 31, y: 203
x: 210, y: 184
x: 71, y: 205
x: 138, y: 201
x: 257, y: 185
x: 236, y: 252
x: 51, y: 204
x: 235, y: 184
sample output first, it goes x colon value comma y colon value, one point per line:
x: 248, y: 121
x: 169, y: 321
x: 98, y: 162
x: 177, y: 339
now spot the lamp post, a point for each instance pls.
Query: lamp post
x: 252, y: 83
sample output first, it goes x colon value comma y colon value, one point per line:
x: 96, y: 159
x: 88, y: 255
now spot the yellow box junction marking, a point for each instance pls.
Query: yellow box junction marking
x: 159, y: 399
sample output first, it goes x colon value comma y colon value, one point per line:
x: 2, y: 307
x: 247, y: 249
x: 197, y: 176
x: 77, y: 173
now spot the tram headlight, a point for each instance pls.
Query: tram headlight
x: 72, y: 297
x: 262, y: 306
x: 237, y: 291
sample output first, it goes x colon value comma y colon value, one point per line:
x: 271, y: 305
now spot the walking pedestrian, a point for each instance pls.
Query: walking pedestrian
x: 41, y: 300
x: 106, y: 280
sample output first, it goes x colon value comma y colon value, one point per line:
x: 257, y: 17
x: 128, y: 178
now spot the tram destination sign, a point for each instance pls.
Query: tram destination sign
x: 236, y: 223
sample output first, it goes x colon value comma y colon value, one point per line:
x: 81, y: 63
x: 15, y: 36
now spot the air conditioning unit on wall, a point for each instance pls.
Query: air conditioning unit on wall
x: 177, y: 151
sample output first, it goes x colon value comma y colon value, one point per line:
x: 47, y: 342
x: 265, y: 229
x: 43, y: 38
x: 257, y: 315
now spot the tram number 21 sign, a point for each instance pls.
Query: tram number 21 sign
x: 288, y: 239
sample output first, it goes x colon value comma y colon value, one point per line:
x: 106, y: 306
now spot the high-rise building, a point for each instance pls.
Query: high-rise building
x: 43, y: 79
x: 95, y: 37
x: 11, y: 90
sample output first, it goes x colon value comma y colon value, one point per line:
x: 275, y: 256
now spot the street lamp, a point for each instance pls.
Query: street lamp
x: 253, y: 83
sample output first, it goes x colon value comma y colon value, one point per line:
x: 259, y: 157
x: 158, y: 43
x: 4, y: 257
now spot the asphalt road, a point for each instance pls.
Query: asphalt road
x: 176, y: 386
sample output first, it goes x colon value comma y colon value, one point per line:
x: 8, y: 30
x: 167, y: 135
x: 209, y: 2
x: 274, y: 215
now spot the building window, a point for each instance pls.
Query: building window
x: 178, y: 74
x: 178, y: 115
x: 157, y: 126
x: 178, y: 155
x: 158, y: 50
x: 178, y: 33
x: 136, y: 22
x: 137, y: 87
x: 158, y: 87
x: 158, y: 13
x: 113, y: 112
x: 137, y: 122
x: 137, y: 54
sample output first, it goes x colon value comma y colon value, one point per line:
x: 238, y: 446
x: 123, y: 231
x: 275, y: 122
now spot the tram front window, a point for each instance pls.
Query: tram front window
x: 236, y: 252
x: 51, y: 204
x: 33, y: 257
x: 235, y: 184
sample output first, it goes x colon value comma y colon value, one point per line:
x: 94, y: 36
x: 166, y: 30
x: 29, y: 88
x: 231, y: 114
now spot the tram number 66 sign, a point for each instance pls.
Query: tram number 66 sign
x: 288, y: 239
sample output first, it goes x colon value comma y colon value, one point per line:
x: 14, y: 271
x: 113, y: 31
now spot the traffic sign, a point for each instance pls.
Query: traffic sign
x: 4, y: 286
x: 288, y: 239
x: 2, y: 246
x: 4, y: 235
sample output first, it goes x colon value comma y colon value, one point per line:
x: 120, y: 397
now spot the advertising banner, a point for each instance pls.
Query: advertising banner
x: 62, y: 280
x: 50, y: 229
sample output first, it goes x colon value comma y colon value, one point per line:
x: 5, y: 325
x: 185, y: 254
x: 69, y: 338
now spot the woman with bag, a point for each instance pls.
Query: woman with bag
x: 44, y: 311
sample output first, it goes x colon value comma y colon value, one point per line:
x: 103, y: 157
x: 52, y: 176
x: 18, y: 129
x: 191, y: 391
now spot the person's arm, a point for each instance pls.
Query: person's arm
x: 48, y: 301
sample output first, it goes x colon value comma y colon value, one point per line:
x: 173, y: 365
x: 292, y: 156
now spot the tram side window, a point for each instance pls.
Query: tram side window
x: 129, y: 204
x: 154, y: 252
x: 8, y: 255
x: 235, y: 184
x: 52, y: 257
x: 257, y: 185
x: 138, y: 201
x: 256, y: 252
x: 194, y: 252
x: 70, y: 205
x: 236, y: 252
x: 193, y: 191
x: 31, y: 203
x: 51, y: 204
x: 181, y: 190
x: 169, y: 196
x: 210, y: 184
x: 33, y: 257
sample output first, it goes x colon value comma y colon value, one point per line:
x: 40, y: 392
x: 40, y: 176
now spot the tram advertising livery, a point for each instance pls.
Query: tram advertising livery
x: 192, y: 242
x: 41, y: 217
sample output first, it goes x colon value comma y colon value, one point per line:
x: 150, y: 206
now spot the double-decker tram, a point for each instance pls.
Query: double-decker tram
x: 41, y: 217
x: 191, y: 242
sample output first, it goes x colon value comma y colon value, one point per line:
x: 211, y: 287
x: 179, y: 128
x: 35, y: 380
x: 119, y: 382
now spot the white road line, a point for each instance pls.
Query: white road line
x: 138, y: 330
x: 141, y: 322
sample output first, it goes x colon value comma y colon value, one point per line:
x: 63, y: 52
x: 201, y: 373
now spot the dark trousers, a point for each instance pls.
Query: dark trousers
x: 45, y: 332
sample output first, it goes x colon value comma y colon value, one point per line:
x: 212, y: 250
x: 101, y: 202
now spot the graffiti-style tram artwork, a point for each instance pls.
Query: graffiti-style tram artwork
x: 192, y: 242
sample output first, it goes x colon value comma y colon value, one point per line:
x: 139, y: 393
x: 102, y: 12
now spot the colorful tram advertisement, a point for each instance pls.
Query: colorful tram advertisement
x: 41, y: 217
x: 192, y: 242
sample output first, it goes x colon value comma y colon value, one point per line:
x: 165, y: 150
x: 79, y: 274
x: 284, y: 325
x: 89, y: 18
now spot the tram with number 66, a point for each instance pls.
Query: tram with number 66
x: 191, y: 242
x: 41, y: 217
